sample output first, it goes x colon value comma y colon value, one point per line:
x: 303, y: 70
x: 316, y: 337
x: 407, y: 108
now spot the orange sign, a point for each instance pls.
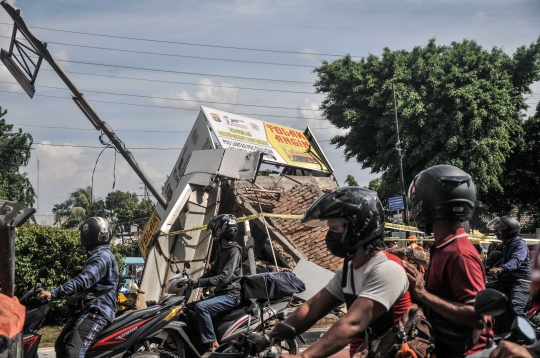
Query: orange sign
x: 148, y: 233
x: 292, y: 145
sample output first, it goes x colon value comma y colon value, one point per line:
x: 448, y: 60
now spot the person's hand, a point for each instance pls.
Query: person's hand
x: 495, y: 271
x: 262, y: 341
x: 193, y: 282
x: 44, y: 296
x: 507, y: 349
x: 416, y: 280
x: 288, y: 356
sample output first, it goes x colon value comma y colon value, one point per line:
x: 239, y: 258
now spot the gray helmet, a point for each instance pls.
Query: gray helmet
x: 223, y: 226
x: 95, y: 231
x: 510, y: 227
x: 441, y: 192
x: 359, y: 208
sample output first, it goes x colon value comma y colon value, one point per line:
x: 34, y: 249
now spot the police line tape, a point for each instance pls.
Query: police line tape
x: 472, y: 236
x: 242, y: 219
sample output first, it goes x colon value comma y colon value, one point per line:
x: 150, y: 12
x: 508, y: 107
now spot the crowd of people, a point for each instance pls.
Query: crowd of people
x: 377, y: 287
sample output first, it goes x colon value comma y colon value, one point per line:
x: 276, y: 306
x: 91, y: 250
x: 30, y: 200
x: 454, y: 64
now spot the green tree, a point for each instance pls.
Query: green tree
x: 458, y: 104
x: 521, y: 176
x: 80, y: 205
x: 350, y: 181
x: 14, y: 153
x: 126, y: 209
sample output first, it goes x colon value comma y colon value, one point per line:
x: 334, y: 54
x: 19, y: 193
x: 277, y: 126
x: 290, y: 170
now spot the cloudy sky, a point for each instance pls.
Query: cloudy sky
x: 243, y: 56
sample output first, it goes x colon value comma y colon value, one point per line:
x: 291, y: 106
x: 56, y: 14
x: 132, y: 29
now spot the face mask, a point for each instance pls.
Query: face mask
x: 334, y: 243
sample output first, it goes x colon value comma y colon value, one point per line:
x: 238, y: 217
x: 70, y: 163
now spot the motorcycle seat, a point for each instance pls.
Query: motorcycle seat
x: 231, y: 315
x: 127, y: 318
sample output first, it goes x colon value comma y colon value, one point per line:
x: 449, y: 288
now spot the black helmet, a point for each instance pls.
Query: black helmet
x: 360, y: 209
x: 441, y: 192
x: 510, y: 227
x: 95, y: 231
x: 223, y: 226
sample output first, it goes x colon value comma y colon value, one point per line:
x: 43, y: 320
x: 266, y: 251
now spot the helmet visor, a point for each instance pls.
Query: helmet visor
x: 496, y: 224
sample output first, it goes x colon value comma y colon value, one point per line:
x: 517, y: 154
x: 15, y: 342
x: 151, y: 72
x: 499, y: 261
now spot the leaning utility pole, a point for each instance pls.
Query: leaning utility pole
x: 400, y: 150
x: 26, y: 78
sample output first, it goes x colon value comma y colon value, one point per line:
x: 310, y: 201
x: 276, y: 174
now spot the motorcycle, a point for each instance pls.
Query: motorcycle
x: 229, y: 325
x: 490, y: 302
x: 152, y: 332
x: 36, y: 311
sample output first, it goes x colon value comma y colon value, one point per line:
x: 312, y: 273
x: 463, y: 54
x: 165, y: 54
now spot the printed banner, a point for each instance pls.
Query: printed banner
x: 148, y: 233
x: 280, y: 145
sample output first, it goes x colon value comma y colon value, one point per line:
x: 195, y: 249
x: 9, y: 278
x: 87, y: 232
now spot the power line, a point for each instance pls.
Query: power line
x: 357, y: 10
x: 221, y: 20
x: 170, y: 107
x: 184, y: 43
x: 178, y: 82
x: 184, y: 72
x: 120, y: 130
x: 94, y: 147
x: 176, y: 99
x: 175, y: 55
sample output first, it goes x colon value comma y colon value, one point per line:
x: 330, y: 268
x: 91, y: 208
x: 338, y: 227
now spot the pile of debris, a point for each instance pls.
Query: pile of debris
x: 285, y: 195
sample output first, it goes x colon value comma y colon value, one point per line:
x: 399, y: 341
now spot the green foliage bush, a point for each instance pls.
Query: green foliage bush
x: 55, y: 248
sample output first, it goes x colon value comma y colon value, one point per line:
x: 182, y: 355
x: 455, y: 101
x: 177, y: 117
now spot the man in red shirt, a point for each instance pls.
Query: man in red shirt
x: 442, y: 197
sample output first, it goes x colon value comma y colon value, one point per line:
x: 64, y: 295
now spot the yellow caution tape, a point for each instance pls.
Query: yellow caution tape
x: 472, y: 236
x: 242, y: 219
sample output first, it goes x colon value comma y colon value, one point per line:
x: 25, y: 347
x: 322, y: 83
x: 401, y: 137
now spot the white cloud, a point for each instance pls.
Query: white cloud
x: 480, y: 15
x: 61, y: 162
x: 204, y: 92
x: 61, y: 55
x: 309, y: 53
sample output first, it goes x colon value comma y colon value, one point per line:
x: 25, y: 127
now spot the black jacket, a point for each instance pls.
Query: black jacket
x: 226, y: 271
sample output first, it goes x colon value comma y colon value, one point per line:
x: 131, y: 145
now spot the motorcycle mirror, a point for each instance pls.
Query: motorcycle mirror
x: 522, y: 327
x: 490, y: 302
x: 254, y: 310
x: 43, y: 273
x: 283, y: 331
x: 187, y: 265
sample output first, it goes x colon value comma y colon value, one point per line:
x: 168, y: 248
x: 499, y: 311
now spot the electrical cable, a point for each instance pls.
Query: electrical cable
x: 121, y: 130
x: 276, y: 24
x: 179, y: 82
x: 167, y: 107
x: 185, y: 72
x: 173, y: 99
x: 175, y: 55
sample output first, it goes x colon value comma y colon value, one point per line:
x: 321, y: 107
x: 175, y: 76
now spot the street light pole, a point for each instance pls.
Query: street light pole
x: 399, y: 149
x: 79, y: 99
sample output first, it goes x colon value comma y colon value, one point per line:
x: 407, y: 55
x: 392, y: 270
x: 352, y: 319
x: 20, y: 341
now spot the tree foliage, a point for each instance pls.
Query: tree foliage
x: 14, y: 153
x: 125, y: 209
x: 350, y: 181
x: 79, y: 206
x: 458, y: 104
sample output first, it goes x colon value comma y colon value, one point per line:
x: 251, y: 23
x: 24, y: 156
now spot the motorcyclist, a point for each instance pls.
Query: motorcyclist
x: 514, y: 271
x: 371, y: 282
x: 442, y: 197
x: 225, y: 275
x: 100, y: 274
x: 413, y: 243
x: 507, y: 349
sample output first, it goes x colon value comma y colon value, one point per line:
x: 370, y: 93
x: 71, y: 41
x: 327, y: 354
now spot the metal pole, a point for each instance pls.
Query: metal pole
x: 249, y: 243
x: 400, y: 159
x: 81, y: 101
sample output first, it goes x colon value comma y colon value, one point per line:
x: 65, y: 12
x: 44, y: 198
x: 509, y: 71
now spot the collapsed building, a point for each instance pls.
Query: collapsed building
x: 220, y: 171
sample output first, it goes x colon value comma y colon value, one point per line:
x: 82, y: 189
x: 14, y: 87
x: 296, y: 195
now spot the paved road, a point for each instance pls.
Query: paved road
x: 46, y: 353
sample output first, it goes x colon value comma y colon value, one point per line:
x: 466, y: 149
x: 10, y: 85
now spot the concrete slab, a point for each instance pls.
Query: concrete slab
x: 46, y: 353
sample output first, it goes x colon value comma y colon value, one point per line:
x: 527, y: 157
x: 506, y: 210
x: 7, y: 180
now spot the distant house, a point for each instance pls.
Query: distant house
x: 46, y: 220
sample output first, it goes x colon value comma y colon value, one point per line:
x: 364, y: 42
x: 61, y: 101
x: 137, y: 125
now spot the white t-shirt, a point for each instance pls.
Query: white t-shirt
x: 380, y: 279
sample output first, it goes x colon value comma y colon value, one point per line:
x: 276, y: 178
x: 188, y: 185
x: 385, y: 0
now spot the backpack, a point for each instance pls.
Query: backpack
x: 412, y: 336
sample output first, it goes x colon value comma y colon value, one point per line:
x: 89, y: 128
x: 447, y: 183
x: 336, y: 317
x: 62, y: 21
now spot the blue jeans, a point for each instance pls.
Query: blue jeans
x: 205, y: 308
x: 518, y: 293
